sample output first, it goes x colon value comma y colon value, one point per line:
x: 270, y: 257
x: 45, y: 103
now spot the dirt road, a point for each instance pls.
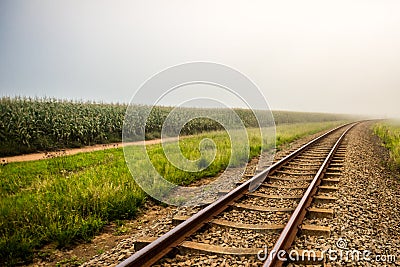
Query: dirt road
x: 72, y: 151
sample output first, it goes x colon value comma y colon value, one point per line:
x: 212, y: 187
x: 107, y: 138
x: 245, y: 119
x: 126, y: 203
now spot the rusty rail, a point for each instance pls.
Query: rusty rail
x: 278, y: 254
x: 151, y: 253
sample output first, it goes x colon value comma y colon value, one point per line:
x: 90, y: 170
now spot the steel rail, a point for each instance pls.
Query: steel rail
x: 154, y: 251
x: 278, y: 254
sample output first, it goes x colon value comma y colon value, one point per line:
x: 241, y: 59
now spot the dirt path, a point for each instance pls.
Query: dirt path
x: 73, y: 151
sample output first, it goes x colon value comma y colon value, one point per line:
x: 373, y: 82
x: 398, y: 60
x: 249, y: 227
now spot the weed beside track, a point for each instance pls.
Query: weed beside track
x: 389, y: 133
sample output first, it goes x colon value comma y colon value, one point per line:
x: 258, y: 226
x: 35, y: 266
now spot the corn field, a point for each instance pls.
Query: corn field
x: 46, y: 124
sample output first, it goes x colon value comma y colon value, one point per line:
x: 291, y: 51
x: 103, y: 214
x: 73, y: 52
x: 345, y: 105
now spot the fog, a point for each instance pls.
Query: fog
x: 336, y: 56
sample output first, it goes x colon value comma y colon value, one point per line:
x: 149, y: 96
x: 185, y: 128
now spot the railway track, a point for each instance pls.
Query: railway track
x: 294, y: 198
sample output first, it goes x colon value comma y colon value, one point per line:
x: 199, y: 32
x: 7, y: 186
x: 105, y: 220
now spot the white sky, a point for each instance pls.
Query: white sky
x: 329, y: 56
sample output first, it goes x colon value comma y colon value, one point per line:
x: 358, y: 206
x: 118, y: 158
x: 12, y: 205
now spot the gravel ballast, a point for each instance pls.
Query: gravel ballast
x: 367, y: 210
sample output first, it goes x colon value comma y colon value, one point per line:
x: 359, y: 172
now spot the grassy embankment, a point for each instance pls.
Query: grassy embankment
x: 389, y: 133
x: 67, y: 199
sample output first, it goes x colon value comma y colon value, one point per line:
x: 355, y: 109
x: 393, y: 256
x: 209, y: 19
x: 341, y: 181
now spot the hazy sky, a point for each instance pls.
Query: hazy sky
x: 330, y: 56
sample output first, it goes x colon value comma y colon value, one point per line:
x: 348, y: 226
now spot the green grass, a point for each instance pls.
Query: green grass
x: 69, y: 199
x: 389, y: 133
